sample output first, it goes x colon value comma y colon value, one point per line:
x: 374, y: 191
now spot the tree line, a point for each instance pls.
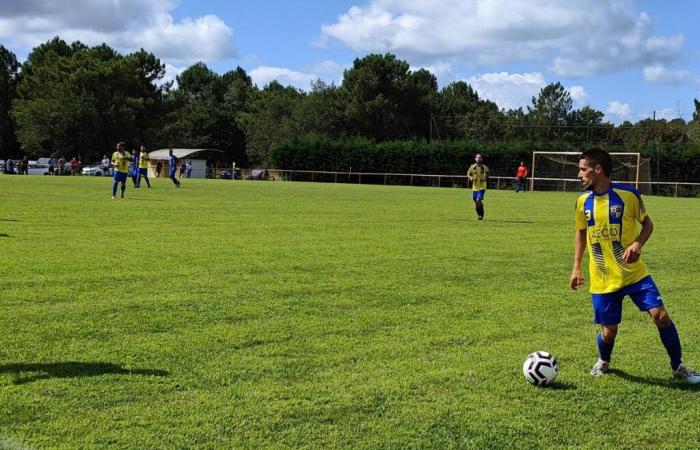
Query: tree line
x: 73, y: 99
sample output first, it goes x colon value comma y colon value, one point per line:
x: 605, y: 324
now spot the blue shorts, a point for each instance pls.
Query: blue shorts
x: 478, y: 195
x: 119, y: 176
x: 172, y: 172
x: 143, y: 172
x: 607, y: 308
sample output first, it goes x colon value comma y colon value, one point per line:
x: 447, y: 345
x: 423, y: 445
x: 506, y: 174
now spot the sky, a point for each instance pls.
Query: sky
x: 626, y: 58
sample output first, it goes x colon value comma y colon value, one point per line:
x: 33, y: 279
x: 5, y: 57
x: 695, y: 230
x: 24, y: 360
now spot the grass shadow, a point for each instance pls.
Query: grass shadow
x: 4, y: 235
x: 8, y: 220
x: 559, y: 386
x: 663, y: 382
x: 72, y: 369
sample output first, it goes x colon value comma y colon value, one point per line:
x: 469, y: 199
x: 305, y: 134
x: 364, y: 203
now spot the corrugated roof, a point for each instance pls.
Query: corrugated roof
x: 163, y: 153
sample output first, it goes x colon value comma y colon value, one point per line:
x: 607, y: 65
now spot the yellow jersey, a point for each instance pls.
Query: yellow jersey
x: 121, y: 161
x: 611, y: 220
x: 143, y: 160
x: 478, y: 175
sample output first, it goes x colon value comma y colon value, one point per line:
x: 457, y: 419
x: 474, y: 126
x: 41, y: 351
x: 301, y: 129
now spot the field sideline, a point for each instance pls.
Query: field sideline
x: 268, y: 314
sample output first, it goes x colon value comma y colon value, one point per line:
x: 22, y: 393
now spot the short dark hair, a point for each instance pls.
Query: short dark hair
x: 598, y: 155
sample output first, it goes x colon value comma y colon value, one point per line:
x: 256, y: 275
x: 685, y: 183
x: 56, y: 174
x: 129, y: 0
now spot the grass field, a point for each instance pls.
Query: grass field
x: 268, y: 314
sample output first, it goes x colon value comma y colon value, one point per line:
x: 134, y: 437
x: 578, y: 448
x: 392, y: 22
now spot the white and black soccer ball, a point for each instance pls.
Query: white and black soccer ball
x: 541, y: 368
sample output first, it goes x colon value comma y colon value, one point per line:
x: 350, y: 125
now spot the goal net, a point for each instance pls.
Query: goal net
x: 558, y: 171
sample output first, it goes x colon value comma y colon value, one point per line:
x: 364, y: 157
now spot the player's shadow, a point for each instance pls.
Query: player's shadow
x: 663, y: 382
x: 8, y: 220
x: 29, y: 372
x: 4, y: 235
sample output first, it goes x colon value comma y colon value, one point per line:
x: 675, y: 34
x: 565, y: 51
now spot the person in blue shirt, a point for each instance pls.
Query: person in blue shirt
x: 134, y: 168
x: 172, y: 167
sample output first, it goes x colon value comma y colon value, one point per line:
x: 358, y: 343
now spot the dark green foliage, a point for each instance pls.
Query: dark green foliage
x: 74, y: 100
x: 9, y: 76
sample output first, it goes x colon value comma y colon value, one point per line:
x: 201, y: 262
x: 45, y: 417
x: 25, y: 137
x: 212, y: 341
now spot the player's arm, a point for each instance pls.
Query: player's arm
x: 634, y: 251
x: 576, y: 280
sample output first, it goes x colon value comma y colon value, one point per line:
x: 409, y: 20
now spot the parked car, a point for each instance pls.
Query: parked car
x: 93, y: 170
x: 260, y: 174
x: 230, y: 174
x: 37, y: 168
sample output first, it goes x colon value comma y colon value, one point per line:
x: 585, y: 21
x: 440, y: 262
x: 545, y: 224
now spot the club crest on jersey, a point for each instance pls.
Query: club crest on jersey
x: 616, y: 211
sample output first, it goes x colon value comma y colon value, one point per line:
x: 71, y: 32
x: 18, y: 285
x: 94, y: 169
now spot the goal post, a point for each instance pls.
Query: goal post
x: 559, y: 170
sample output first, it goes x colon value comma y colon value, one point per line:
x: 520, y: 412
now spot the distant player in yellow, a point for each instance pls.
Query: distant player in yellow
x: 120, y: 162
x: 608, y: 216
x: 143, y: 166
x: 478, y: 173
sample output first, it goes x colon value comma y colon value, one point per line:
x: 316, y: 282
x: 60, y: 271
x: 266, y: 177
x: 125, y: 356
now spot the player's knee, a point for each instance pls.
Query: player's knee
x: 609, y: 334
x: 660, y: 317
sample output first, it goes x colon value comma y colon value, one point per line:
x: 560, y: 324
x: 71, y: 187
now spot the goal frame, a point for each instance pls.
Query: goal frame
x: 534, y: 158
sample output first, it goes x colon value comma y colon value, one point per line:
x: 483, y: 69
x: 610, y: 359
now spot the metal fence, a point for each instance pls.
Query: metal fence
x: 664, y: 188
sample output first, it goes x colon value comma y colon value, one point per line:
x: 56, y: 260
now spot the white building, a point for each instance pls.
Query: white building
x: 197, y: 156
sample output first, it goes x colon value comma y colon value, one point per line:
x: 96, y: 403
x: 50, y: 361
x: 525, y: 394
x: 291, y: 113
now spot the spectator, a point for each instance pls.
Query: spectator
x: 182, y: 170
x: 159, y: 168
x: 188, y: 168
x: 52, y: 165
x: 74, y: 166
x: 61, y: 165
x: 9, y: 166
x: 24, y: 166
x: 105, y: 165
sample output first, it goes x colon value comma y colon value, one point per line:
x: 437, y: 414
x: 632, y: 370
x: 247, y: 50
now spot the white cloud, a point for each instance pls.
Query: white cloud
x: 576, y: 37
x: 263, y: 75
x: 508, y: 90
x: 327, y: 71
x: 579, y: 96
x: 617, y: 107
x: 126, y: 25
x: 206, y: 38
x: 659, y: 74
x: 440, y: 69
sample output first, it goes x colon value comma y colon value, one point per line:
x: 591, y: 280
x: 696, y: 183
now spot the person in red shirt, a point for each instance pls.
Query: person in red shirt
x: 520, y: 176
x: 74, y: 166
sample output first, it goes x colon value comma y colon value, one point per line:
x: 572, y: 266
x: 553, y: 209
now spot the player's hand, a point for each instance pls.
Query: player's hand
x: 632, y: 253
x: 576, y: 280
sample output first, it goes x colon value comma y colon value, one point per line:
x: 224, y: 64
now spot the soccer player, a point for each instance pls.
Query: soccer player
x: 120, y: 162
x: 520, y: 176
x: 172, y: 167
x: 134, y: 169
x: 479, y: 174
x: 143, y: 167
x: 607, y: 215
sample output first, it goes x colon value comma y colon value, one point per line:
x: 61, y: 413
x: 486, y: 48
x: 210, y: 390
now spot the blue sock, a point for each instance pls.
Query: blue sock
x: 114, y: 189
x: 670, y: 339
x: 604, y: 349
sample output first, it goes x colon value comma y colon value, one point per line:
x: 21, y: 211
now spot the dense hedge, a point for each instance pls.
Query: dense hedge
x: 678, y: 162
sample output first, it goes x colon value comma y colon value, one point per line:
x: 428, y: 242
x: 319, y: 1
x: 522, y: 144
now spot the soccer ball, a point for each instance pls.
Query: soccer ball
x: 540, y: 368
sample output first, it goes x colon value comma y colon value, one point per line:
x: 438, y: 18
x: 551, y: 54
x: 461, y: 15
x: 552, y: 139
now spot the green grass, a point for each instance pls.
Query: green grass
x: 251, y: 314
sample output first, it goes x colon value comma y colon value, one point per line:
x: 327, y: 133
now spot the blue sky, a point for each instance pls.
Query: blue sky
x: 623, y: 57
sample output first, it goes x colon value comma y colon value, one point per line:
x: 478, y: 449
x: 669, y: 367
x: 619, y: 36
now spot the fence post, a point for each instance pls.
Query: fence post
x: 675, y: 191
x: 411, y: 180
x: 439, y: 180
x: 359, y: 178
x: 312, y: 177
x: 336, y: 176
x: 385, y: 179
